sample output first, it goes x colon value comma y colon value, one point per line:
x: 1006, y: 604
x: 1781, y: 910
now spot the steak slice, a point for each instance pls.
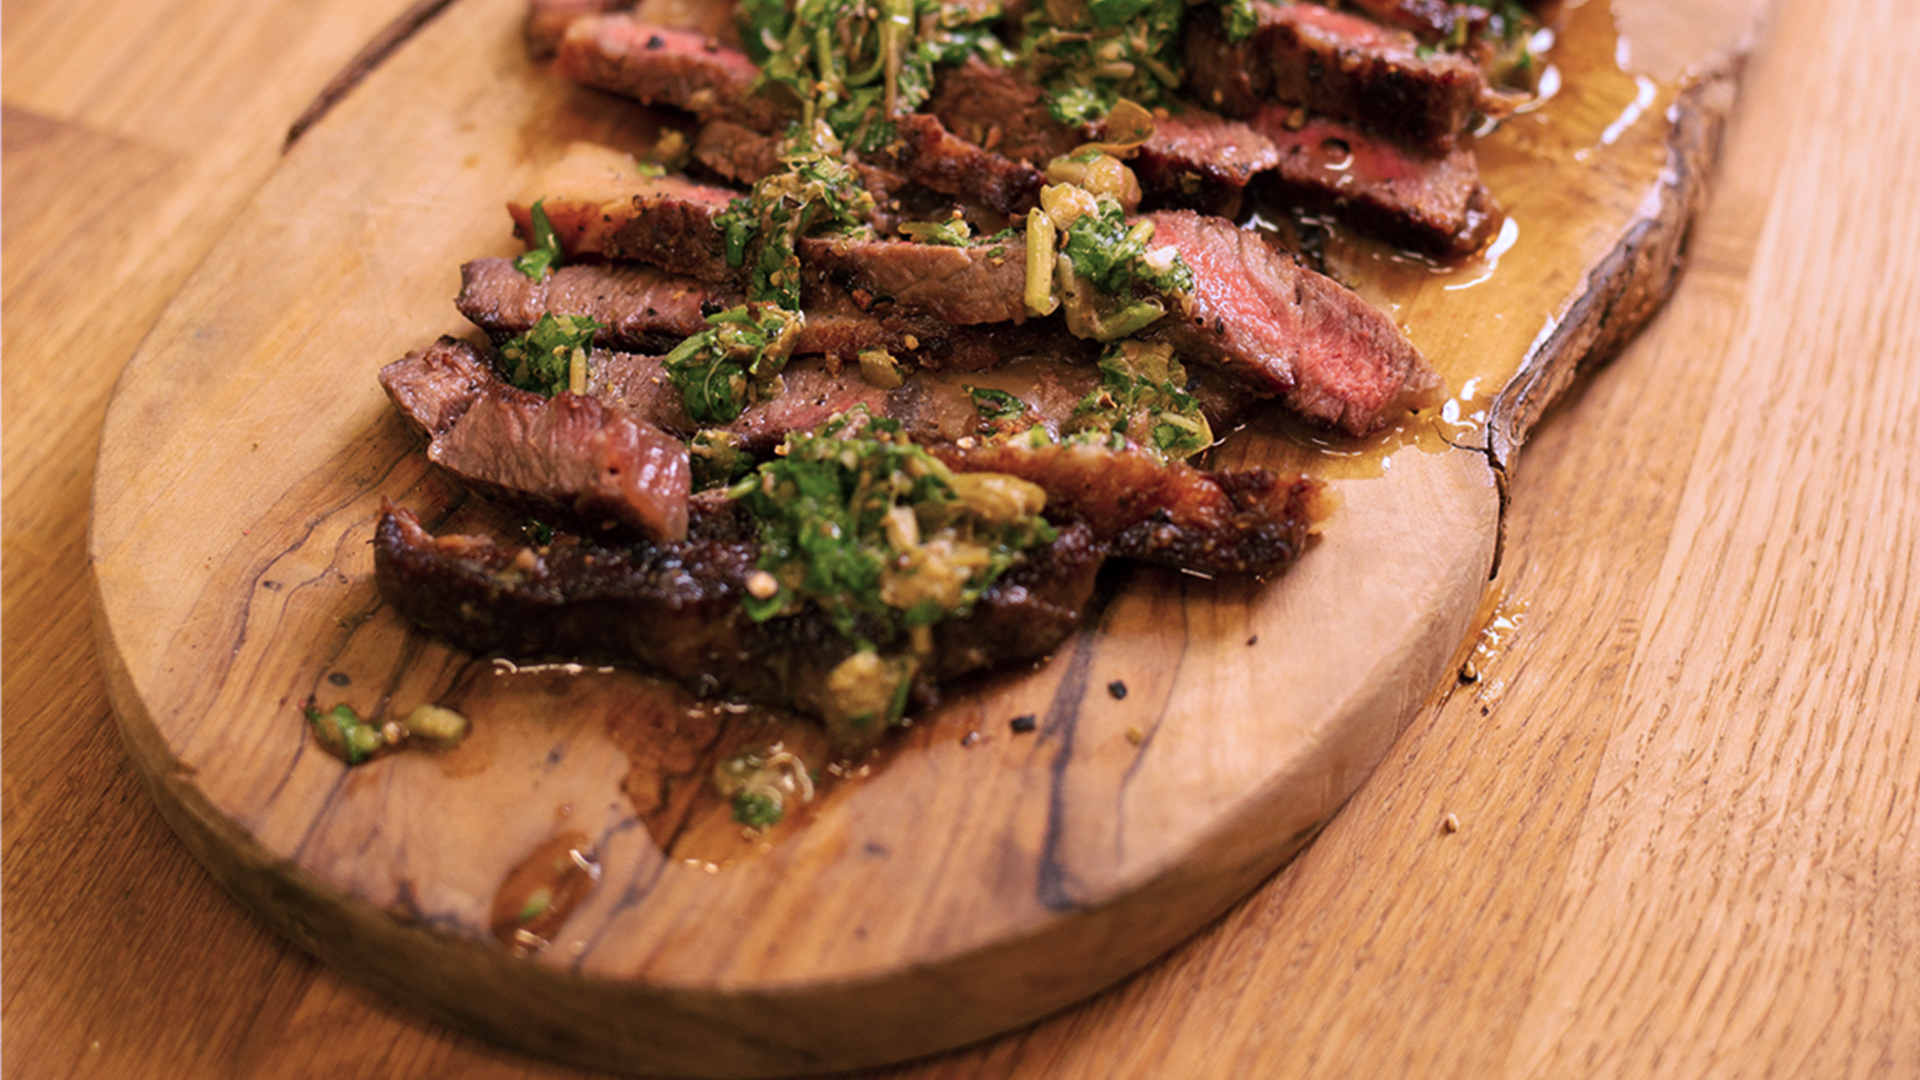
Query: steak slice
x: 641, y: 307
x: 1331, y: 356
x: 1244, y: 521
x: 644, y: 309
x: 1339, y: 65
x: 1435, y: 205
x: 1197, y: 160
x: 1001, y: 110
x: 596, y: 463
x: 664, y: 221
x: 676, y: 608
x: 658, y: 65
x: 964, y: 286
x: 925, y: 152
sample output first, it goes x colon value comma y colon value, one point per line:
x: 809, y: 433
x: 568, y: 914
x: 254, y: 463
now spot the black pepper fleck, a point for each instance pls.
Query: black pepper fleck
x: 1118, y: 689
x: 1254, y: 640
x: 1022, y: 724
x: 339, y: 678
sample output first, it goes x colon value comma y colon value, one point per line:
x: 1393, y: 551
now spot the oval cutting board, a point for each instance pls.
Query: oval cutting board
x: 965, y: 879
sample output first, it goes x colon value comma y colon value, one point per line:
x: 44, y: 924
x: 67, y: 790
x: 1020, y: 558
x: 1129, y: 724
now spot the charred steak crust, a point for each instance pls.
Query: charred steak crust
x: 1243, y: 521
x: 676, y: 609
x: 964, y: 286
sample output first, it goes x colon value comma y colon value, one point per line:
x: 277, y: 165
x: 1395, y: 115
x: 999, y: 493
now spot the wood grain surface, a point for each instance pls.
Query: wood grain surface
x: 1682, y: 796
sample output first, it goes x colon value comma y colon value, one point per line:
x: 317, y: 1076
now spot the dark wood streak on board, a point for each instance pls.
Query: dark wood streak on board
x: 1054, y: 888
x: 370, y: 56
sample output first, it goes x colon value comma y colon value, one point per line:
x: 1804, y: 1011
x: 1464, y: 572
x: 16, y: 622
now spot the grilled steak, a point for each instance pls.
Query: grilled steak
x: 736, y: 152
x: 965, y: 286
x: 1229, y: 522
x: 594, y: 462
x: 1435, y: 205
x: 1001, y: 110
x: 1196, y: 160
x: 664, y: 221
x: 657, y: 65
x: 643, y: 308
x: 1327, y: 353
x: 1339, y: 65
x: 1430, y: 20
x: 676, y: 608
x: 925, y: 152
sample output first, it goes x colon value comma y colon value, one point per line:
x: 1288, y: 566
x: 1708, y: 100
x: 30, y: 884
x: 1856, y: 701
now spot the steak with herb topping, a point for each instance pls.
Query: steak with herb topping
x: 677, y: 608
x: 658, y: 65
x: 1339, y: 65
x: 596, y: 463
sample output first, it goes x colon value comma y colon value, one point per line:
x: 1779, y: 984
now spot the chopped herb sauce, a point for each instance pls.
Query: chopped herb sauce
x: 545, y: 252
x: 880, y: 535
x: 552, y: 356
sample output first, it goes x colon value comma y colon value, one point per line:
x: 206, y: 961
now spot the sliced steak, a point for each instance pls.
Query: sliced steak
x: 1432, y: 204
x: 736, y: 152
x: 1230, y: 521
x: 1327, y: 353
x: 658, y: 65
x: 925, y: 152
x: 1001, y: 110
x: 1339, y: 65
x: 664, y: 221
x: 646, y: 310
x: 1197, y: 160
x: 961, y: 285
x: 642, y: 308
x: 597, y: 463
x: 676, y: 608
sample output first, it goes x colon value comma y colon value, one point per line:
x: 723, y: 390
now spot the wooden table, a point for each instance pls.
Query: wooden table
x: 1670, y: 832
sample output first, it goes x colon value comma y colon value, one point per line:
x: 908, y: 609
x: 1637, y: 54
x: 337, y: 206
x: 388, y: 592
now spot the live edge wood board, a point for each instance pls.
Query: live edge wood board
x: 967, y: 878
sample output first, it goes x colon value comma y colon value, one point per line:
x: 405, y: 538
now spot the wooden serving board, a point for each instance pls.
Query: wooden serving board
x: 966, y: 878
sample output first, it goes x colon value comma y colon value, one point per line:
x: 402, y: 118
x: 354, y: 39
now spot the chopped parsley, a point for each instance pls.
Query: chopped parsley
x: 760, y: 782
x: 552, y: 356
x: 1105, y: 275
x: 1143, y: 397
x: 1092, y: 55
x: 878, y: 534
x: 856, y: 64
x: 815, y: 191
x: 757, y: 809
x: 954, y: 232
x: 545, y: 253
x: 1115, y: 255
x: 996, y: 405
x: 718, y: 369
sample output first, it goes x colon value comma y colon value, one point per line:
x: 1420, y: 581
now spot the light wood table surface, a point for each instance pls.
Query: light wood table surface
x: 1670, y: 833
